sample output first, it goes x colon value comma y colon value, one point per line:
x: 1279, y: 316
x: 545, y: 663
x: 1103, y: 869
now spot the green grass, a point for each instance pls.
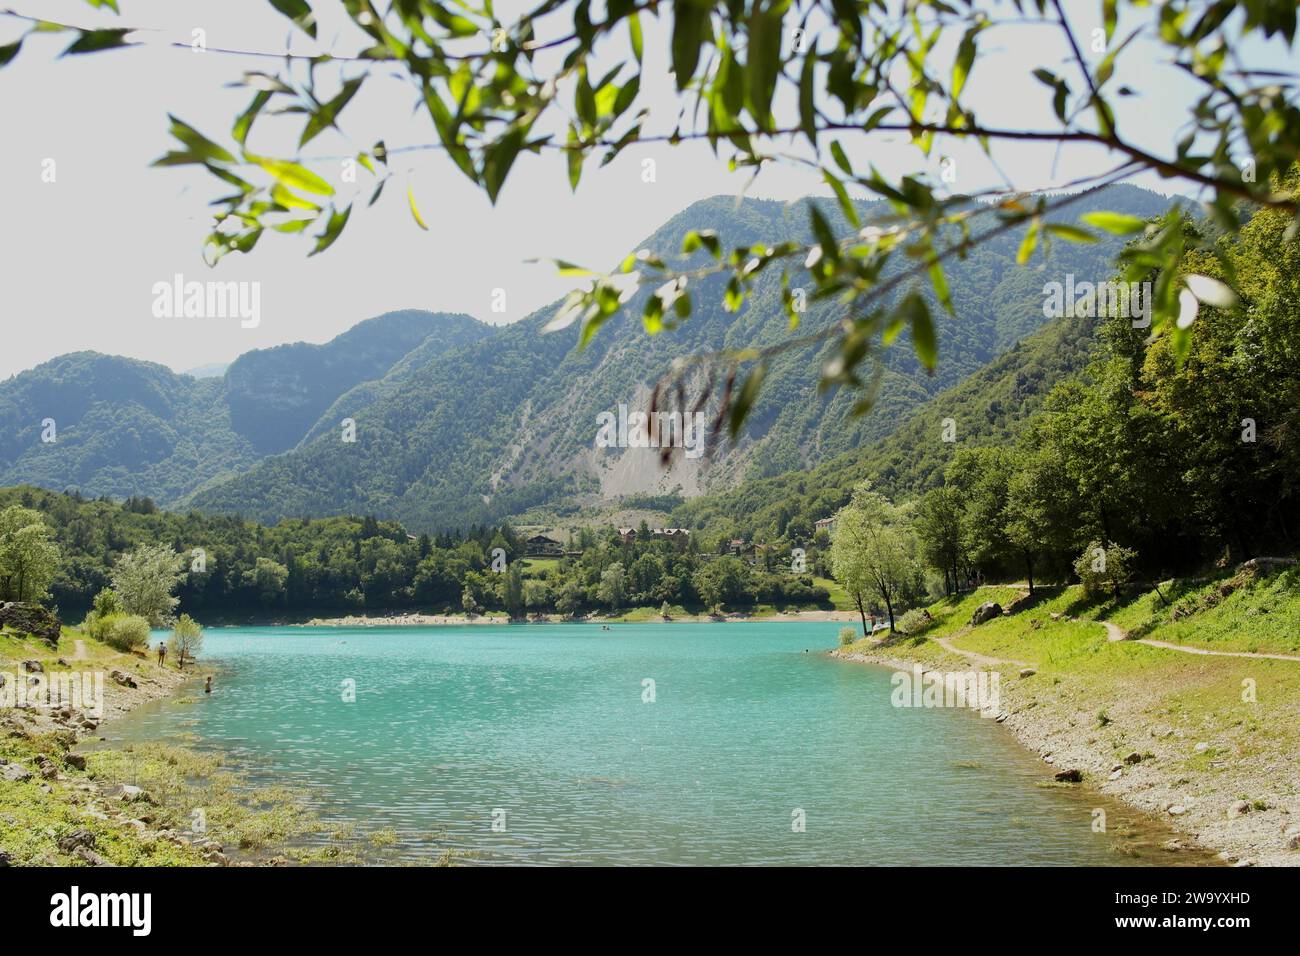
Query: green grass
x: 1260, y: 614
x: 536, y: 567
x: 839, y: 597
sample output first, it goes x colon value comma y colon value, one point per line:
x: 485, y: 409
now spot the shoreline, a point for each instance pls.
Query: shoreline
x: 1153, y: 786
x: 416, y: 619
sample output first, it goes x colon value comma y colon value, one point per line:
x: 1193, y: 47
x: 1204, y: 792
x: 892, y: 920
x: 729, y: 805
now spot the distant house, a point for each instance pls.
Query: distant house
x: 540, y: 546
x: 679, y: 533
x: 825, y: 524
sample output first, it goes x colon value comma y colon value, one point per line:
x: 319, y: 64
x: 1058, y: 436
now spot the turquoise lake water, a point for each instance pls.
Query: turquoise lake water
x: 751, y: 723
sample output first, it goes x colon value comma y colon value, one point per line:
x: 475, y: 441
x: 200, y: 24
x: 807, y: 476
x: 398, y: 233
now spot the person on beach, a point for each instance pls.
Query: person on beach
x: 207, y: 687
x: 162, y: 653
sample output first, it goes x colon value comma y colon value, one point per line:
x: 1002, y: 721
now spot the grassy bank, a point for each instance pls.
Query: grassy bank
x: 1208, y: 743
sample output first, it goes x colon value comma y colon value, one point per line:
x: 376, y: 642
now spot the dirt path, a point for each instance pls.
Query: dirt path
x: 1113, y: 633
x: 80, y: 648
x: 983, y: 659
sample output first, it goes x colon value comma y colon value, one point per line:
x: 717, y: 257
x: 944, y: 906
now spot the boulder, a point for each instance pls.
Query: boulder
x: 986, y: 612
x: 33, y: 667
x: 71, y: 842
x: 1291, y: 839
x: 76, y: 761
x: 1069, y: 776
x: 27, y: 618
x: 130, y: 794
x: 15, y: 773
x: 1027, y: 672
x: 5, y: 858
x: 90, y: 856
x: 122, y: 678
x: 1133, y: 758
x: 1239, y: 809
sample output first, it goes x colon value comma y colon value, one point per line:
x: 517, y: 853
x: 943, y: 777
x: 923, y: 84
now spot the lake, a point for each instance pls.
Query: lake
x: 751, y: 746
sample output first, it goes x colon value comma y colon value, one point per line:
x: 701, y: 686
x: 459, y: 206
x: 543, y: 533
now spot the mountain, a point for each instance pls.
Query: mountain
x: 213, y: 370
x: 509, y: 422
x: 987, y: 408
x: 125, y: 427
x: 459, y: 423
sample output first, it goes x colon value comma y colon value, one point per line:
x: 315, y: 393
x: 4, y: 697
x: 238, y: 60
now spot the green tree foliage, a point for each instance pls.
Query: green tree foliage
x: 145, y: 580
x: 125, y: 632
x: 873, y: 553
x: 29, y: 558
x: 186, y: 641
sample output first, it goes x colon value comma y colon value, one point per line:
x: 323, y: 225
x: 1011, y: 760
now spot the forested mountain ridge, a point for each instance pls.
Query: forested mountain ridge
x: 458, y: 423
x: 508, y: 423
x: 124, y: 427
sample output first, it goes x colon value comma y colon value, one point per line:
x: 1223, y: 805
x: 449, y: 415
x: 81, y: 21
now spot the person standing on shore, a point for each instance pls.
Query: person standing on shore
x: 207, y: 687
x: 162, y: 654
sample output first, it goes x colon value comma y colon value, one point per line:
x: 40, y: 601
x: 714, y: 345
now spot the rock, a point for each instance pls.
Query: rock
x: 90, y: 856
x: 1238, y: 809
x: 986, y: 612
x: 77, y: 839
x: 1027, y: 672
x: 1202, y: 747
x: 31, y: 619
x: 49, y: 772
x: 126, y: 680
x: 1116, y: 773
x: 1173, y: 846
x: 130, y: 794
x: 1177, y: 810
x: 1291, y: 839
x: 1133, y: 758
x: 14, y: 773
x: 5, y: 858
x: 33, y: 667
x: 77, y: 761
x: 1069, y: 776
x: 1056, y: 615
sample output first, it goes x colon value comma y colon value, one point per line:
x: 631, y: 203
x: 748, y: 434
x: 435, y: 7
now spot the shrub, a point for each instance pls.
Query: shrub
x: 124, y: 632
x: 1105, y: 568
x: 186, y: 641
x: 847, y: 636
x: 914, y: 621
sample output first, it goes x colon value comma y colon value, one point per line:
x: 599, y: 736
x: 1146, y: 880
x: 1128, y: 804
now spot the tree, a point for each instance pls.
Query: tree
x: 871, y: 556
x: 268, y: 579
x: 537, y: 594
x: 513, y: 591
x: 570, y: 599
x: 613, y: 586
x: 1038, y: 508
x: 29, y: 559
x: 1101, y: 566
x: 938, y: 527
x: 186, y: 641
x: 748, y: 89
x: 145, y: 580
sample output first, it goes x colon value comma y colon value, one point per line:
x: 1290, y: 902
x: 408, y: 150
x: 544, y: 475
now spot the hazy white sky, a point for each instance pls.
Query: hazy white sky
x: 79, y: 257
